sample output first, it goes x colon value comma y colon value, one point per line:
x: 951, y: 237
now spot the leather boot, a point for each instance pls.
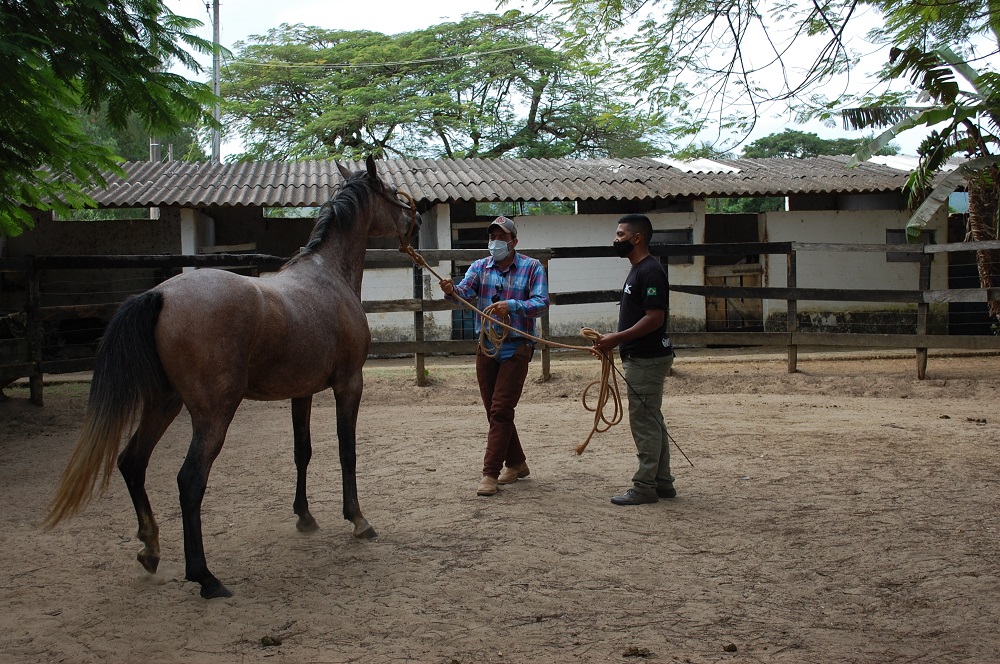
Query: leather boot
x: 509, y: 475
x: 487, y: 486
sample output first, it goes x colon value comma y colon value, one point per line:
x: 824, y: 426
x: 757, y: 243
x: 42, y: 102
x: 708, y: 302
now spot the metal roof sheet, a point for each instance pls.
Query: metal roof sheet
x: 430, y: 181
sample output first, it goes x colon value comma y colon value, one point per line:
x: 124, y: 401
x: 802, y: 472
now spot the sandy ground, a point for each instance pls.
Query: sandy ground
x: 845, y: 513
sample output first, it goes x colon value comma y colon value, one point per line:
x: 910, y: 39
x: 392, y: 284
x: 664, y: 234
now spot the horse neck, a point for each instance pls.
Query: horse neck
x: 342, y: 254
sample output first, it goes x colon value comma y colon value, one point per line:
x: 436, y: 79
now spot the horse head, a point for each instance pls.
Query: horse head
x: 393, y: 211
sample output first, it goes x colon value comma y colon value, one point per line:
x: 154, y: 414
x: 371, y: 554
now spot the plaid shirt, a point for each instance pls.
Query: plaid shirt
x: 524, y: 287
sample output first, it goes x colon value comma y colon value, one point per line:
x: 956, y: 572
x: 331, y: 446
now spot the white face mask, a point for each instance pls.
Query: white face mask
x: 499, y: 249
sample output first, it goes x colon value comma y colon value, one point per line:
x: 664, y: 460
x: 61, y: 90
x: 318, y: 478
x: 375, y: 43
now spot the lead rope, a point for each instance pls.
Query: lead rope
x: 608, y: 382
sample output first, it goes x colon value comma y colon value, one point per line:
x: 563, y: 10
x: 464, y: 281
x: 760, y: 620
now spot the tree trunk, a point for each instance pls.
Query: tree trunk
x: 984, y: 197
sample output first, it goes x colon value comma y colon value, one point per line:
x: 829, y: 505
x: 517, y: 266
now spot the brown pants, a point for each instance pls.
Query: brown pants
x: 500, y: 386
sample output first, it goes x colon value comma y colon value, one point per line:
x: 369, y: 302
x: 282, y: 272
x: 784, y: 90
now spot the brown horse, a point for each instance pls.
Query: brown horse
x: 208, y: 339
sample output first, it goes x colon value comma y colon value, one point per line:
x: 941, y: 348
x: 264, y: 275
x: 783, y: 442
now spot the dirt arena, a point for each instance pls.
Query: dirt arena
x: 846, y: 513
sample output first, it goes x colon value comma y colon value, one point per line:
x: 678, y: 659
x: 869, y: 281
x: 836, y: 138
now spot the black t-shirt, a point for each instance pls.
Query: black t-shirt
x: 645, y: 289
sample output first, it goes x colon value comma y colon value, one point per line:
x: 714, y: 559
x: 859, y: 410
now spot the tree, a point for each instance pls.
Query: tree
x: 798, y: 144
x: 131, y: 141
x: 61, y: 56
x: 487, y: 86
x: 721, y: 64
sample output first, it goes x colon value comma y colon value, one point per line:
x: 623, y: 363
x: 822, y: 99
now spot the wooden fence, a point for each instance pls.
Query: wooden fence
x: 22, y: 357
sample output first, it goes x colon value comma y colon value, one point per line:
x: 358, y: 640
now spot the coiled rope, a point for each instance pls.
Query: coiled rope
x: 490, y: 330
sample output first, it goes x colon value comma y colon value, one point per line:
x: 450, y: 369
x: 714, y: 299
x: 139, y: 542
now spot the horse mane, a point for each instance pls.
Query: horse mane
x: 350, y: 200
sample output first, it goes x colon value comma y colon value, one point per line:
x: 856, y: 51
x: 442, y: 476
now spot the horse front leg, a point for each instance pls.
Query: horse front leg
x: 301, y: 410
x: 206, y: 443
x: 157, y: 414
x: 348, y: 403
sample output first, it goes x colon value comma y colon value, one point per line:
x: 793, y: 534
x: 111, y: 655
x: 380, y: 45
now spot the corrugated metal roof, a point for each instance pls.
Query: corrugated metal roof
x: 430, y: 181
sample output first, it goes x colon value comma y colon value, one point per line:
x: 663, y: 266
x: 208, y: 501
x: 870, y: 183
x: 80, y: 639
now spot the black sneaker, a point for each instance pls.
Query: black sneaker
x: 633, y: 497
x: 666, y: 492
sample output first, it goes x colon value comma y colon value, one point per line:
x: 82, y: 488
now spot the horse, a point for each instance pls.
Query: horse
x: 208, y: 339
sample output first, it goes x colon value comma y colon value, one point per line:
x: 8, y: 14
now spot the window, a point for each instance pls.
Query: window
x: 898, y: 236
x: 673, y: 236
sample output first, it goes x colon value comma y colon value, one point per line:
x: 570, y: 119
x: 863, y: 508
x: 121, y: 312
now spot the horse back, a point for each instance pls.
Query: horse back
x: 221, y: 334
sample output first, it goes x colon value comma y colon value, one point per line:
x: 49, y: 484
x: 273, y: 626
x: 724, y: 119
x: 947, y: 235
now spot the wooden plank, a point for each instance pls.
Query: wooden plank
x: 156, y: 262
x: 776, y: 339
x: 962, y: 246
x: 831, y: 294
x: 859, y: 248
x: 390, y: 306
x: 585, y: 297
x: 909, y: 341
x: 733, y: 270
x: 228, y: 248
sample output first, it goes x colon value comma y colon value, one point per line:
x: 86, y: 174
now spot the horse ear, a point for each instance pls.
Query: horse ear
x: 370, y: 163
x: 343, y: 171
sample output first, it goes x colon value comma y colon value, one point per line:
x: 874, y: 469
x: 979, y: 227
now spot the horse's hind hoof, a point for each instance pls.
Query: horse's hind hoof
x: 368, y: 533
x: 364, y: 530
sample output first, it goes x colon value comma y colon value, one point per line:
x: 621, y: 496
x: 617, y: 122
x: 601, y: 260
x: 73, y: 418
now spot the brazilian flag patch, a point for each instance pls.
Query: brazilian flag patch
x: 651, y: 291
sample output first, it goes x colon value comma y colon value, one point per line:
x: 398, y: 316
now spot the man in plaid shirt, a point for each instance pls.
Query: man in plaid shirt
x: 513, y: 285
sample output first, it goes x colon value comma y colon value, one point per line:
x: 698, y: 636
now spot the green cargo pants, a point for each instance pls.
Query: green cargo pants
x: 645, y: 378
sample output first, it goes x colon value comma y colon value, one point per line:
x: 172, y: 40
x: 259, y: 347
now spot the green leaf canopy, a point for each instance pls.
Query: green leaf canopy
x: 487, y: 86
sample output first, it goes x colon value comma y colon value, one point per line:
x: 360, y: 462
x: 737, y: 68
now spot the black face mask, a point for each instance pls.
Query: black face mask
x: 623, y: 248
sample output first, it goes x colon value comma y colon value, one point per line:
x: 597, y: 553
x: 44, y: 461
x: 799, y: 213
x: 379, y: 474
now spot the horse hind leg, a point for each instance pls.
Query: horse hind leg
x: 210, y: 428
x: 157, y: 415
x: 301, y: 411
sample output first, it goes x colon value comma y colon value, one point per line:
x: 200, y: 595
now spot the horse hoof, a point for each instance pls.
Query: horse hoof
x: 364, y: 530
x: 149, y: 561
x: 307, y: 524
x: 215, y: 590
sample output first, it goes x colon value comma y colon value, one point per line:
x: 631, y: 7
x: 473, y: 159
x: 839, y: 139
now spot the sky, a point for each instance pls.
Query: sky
x: 241, y: 18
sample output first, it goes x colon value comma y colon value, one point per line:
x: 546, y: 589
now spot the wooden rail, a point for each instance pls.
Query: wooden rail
x: 23, y: 357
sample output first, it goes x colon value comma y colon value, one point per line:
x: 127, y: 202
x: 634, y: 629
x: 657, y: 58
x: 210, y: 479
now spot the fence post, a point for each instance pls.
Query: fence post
x: 34, y: 330
x: 418, y: 323
x: 546, y: 351
x: 793, y: 315
x: 923, y: 311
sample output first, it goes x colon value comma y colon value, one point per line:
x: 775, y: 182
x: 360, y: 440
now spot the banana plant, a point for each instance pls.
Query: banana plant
x: 963, y: 120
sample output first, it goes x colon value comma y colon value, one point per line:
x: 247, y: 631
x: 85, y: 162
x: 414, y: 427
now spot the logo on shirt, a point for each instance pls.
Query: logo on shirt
x: 628, y: 289
x: 651, y: 291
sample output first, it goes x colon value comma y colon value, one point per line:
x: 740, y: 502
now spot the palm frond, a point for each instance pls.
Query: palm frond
x: 939, y: 195
x: 926, y: 70
x: 924, y: 116
x: 961, y: 66
x: 867, y: 117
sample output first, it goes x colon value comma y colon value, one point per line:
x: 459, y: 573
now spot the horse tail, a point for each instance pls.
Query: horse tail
x: 127, y: 372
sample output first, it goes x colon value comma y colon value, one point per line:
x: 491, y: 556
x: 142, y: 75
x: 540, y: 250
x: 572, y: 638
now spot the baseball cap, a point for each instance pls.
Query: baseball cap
x: 506, y: 224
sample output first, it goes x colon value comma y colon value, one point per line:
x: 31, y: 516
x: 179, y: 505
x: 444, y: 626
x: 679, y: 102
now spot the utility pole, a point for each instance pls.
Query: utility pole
x: 217, y: 110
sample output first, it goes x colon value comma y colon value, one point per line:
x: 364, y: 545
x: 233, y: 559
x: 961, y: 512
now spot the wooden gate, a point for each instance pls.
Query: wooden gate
x: 734, y: 314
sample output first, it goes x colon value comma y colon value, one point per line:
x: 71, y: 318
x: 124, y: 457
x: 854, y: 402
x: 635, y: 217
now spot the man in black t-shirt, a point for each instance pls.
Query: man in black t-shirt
x: 647, y: 356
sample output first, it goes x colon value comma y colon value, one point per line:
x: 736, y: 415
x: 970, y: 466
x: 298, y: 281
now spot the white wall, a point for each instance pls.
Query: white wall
x: 818, y: 269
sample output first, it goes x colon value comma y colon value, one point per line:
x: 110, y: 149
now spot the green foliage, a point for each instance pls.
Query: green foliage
x: 744, y: 205
x: 60, y: 56
x: 525, y: 208
x: 964, y: 121
x: 131, y: 142
x: 798, y: 144
x: 487, y: 86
